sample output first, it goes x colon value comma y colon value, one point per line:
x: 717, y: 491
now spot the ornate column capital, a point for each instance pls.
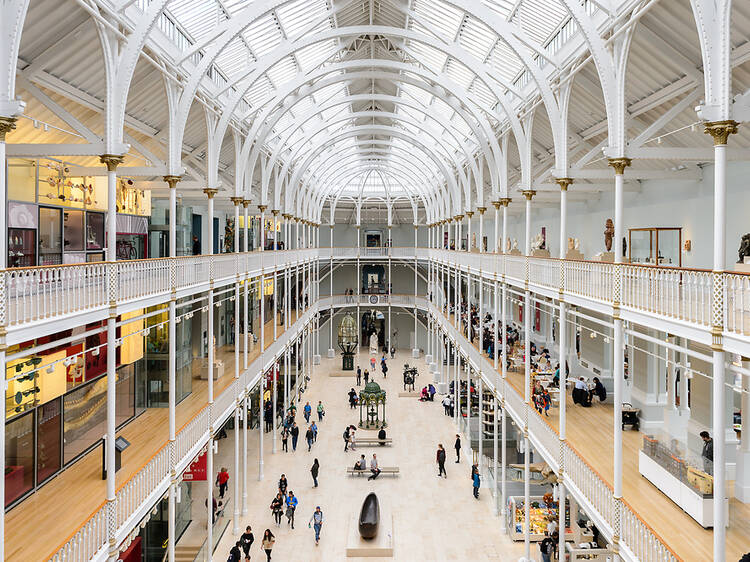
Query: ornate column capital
x: 111, y: 161
x: 469, y: 214
x: 296, y: 219
x: 172, y: 181
x: 619, y: 164
x: 528, y: 194
x: 7, y: 124
x: 720, y: 130
x: 237, y: 201
x: 262, y: 208
x: 481, y: 210
x: 505, y: 201
x: 286, y: 216
x: 245, y: 203
x: 496, y: 204
x: 563, y: 183
x: 210, y: 192
x: 275, y: 212
x: 458, y: 217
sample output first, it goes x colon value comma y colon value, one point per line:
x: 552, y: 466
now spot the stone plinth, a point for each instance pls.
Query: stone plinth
x: 381, y: 546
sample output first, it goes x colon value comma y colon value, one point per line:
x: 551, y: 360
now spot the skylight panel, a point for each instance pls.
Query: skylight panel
x: 283, y: 71
x: 314, y: 55
x: 539, y: 18
x: 259, y: 91
x: 482, y: 92
x: 417, y: 94
x: 501, y: 7
x: 263, y: 36
x: 444, y: 18
x: 459, y: 73
x: 505, y: 62
x: 234, y: 59
x: 432, y: 59
x: 477, y: 38
x: 197, y: 18
x: 298, y: 16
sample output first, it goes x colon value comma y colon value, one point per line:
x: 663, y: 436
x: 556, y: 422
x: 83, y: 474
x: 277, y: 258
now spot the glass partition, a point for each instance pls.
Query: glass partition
x: 655, y: 246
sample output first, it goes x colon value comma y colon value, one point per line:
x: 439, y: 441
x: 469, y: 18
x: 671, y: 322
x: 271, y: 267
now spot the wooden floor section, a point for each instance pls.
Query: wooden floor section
x: 590, y: 432
x: 38, y: 526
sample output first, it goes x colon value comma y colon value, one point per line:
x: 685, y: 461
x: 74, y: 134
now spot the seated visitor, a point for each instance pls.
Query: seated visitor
x: 556, y: 377
x: 424, y: 395
x: 581, y: 393
x: 361, y: 464
x: 599, y: 390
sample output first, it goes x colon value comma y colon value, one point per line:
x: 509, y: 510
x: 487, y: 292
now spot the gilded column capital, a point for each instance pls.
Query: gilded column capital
x: 496, y: 204
x: 505, y: 201
x: 237, y: 201
x: 111, y: 161
x: 564, y: 183
x: 210, y: 192
x: 619, y: 164
x: 275, y: 212
x: 458, y: 217
x: 262, y: 208
x: 528, y: 194
x: 7, y: 124
x: 286, y: 216
x: 720, y: 130
x: 481, y: 210
x: 245, y: 203
x: 172, y: 180
x: 470, y: 214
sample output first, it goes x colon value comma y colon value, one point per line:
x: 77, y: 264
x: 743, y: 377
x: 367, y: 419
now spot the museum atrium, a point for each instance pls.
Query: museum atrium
x: 218, y: 213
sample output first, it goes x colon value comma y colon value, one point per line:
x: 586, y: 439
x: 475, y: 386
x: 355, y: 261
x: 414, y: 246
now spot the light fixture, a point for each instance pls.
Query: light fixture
x: 95, y: 352
x: 51, y: 368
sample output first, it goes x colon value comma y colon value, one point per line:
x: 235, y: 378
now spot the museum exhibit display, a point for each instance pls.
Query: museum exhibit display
x: 372, y: 407
x: 348, y: 341
x: 655, y: 246
x: 369, y: 517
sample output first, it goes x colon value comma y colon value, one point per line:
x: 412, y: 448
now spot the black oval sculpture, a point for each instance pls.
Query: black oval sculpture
x: 369, y: 517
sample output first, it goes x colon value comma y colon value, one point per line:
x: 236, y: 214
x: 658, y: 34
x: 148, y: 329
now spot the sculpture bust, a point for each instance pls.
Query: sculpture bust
x: 609, y: 232
x: 515, y: 245
x: 744, y: 248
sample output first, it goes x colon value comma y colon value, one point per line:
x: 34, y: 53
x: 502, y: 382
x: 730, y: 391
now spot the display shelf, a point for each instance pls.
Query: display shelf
x: 539, y: 516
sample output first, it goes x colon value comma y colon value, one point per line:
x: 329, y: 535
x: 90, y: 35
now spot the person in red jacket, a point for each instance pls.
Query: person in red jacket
x: 222, y: 480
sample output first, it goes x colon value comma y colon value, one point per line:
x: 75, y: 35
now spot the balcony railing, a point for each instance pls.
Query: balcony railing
x: 37, y: 294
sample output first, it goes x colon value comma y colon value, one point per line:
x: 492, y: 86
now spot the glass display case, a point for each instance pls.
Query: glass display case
x: 73, y: 231
x: 21, y: 247
x: 50, y: 236
x: 655, y: 246
x: 678, y: 469
x: 94, y: 231
x: 131, y: 246
x: 543, y: 510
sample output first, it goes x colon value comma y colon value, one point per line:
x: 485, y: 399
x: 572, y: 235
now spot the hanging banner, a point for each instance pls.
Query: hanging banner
x: 196, y: 471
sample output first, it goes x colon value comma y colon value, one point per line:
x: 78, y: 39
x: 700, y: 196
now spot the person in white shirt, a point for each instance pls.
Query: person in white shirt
x: 374, y: 468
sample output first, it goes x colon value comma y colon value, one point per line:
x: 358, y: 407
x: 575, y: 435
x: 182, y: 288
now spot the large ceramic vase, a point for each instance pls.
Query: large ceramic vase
x: 369, y: 517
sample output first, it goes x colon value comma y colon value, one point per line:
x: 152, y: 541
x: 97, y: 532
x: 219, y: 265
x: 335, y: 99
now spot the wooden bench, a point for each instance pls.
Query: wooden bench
x: 351, y: 471
x: 372, y: 441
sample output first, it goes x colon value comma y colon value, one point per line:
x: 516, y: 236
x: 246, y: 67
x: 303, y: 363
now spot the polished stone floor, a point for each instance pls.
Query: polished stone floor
x: 434, y: 518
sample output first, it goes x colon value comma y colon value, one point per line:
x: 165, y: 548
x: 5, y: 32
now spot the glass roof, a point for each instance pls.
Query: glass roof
x: 422, y: 125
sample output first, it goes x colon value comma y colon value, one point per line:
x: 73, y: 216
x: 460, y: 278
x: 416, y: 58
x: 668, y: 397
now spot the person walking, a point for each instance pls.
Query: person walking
x: 267, y: 543
x: 234, y: 554
x: 246, y: 541
x: 283, y: 484
x: 222, y: 479
x: 374, y: 468
x: 352, y: 435
x: 352, y: 399
x: 321, y: 411
x: 707, y: 453
x: 315, y: 431
x: 307, y: 411
x: 295, y: 436
x: 367, y: 376
x: 384, y: 368
x: 393, y: 352
x: 314, y: 471
x: 346, y: 439
x: 285, y: 439
x: 372, y: 364
x: 441, y: 461
x: 458, y: 448
x: 309, y: 438
x: 291, y: 505
x: 359, y: 375
x: 317, y: 522
x: 277, y: 508
x: 548, y: 546
x: 475, y: 480
x: 447, y: 405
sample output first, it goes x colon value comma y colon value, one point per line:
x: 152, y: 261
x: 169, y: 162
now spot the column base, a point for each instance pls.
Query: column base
x: 428, y: 359
x: 316, y: 359
x: 415, y: 353
x: 331, y: 354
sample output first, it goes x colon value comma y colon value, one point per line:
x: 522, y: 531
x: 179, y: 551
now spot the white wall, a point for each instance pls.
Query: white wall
x: 675, y: 203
